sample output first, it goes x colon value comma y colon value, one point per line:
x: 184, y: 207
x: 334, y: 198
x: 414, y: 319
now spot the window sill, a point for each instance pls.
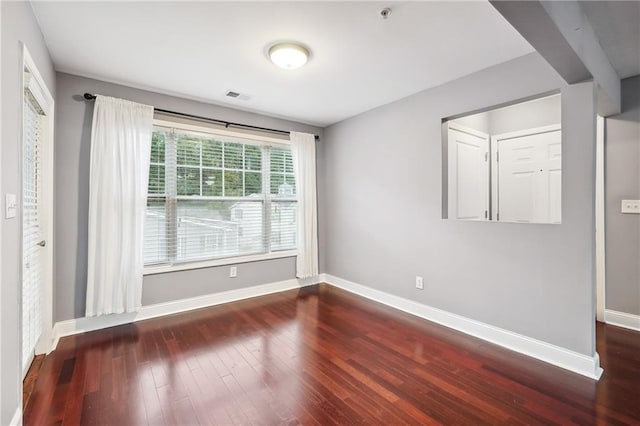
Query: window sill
x: 161, y: 269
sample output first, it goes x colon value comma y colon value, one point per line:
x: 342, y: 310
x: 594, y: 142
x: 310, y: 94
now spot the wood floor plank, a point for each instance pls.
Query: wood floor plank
x: 89, y: 414
x: 320, y: 356
x: 150, y: 397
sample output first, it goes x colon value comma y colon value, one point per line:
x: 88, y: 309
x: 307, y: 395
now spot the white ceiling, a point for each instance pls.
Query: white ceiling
x: 200, y: 50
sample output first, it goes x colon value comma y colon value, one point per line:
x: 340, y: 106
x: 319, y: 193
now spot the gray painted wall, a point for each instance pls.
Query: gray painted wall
x: 480, y: 121
x: 622, y: 182
x: 73, y: 137
x: 520, y: 116
x: 18, y: 25
x: 381, y: 210
x: 196, y: 282
x: 538, y: 113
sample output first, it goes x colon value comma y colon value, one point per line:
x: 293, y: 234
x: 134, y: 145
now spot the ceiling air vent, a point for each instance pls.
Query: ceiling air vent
x: 236, y: 95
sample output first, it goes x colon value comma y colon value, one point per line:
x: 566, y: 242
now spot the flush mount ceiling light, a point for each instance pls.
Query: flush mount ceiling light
x: 288, y: 55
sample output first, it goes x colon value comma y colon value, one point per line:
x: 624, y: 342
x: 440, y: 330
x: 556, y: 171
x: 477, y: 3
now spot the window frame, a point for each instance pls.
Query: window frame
x: 267, y: 200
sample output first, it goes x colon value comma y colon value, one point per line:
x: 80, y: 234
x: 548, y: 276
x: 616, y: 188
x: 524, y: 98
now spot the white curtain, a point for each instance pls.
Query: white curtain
x: 120, y: 153
x: 303, y: 152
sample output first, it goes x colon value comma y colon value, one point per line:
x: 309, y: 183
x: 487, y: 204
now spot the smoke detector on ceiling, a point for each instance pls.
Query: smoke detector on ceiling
x: 237, y: 95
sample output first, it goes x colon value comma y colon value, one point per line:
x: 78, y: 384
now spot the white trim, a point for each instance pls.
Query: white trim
x: 161, y: 269
x: 82, y: 325
x: 585, y: 365
x: 2, y: 196
x: 600, y: 221
x: 494, y: 186
x: 246, y: 136
x: 622, y: 319
x: 16, y: 420
x: 38, y: 87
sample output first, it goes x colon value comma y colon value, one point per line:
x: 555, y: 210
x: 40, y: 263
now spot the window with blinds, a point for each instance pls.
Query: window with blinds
x: 212, y: 196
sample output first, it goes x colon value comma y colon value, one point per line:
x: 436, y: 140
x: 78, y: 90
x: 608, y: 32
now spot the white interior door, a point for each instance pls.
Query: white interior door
x: 37, y: 214
x: 32, y: 232
x: 529, y: 169
x: 468, y: 171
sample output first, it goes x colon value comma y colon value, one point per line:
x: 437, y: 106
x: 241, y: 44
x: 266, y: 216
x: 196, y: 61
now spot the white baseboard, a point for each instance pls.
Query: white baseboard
x: 16, y: 420
x: 622, y: 319
x: 81, y: 325
x: 556, y: 355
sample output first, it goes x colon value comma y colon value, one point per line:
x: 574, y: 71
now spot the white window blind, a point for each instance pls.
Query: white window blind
x: 31, y: 252
x: 212, y: 196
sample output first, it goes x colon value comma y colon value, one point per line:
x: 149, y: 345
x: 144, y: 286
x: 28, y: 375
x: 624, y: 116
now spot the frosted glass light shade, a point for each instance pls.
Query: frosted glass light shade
x: 288, y: 55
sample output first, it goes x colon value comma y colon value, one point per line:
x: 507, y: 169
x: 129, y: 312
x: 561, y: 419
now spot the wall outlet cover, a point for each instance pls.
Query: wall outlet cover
x: 630, y: 206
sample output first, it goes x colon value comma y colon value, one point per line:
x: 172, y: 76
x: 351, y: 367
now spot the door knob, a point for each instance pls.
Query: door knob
x: 42, y: 243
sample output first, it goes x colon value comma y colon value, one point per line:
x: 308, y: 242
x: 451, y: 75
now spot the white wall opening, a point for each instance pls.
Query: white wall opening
x: 505, y: 164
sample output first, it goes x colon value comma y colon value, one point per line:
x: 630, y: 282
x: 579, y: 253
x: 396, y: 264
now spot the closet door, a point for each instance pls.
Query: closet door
x: 468, y: 173
x: 530, y: 176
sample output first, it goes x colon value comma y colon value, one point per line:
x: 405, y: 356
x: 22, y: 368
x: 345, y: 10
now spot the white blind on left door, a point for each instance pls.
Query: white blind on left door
x: 31, y: 253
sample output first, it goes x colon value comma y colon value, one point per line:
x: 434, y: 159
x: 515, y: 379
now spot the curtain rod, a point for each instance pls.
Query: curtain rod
x: 227, y: 124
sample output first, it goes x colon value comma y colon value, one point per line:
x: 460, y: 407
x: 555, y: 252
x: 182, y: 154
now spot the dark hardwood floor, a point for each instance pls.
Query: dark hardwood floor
x: 320, y: 355
x: 29, y: 381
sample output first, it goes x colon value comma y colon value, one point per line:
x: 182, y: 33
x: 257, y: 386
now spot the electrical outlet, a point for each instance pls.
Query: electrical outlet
x: 419, y: 282
x: 233, y: 271
x: 630, y: 206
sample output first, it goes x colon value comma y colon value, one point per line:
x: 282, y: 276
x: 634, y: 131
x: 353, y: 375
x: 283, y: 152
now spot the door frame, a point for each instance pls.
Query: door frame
x: 3, y: 215
x: 600, y: 220
x: 45, y: 99
x: 495, y: 139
